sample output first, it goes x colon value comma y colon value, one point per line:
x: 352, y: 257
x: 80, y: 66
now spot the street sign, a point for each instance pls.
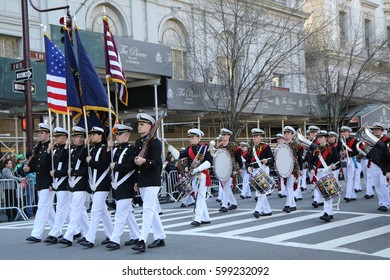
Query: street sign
x: 37, y: 56
x: 18, y: 87
x: 24, y: 74
x: 17, y: 65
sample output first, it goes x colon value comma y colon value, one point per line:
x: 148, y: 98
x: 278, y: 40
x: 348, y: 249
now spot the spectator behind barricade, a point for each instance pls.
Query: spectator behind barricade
x: 10, y: 189
x: 30, y: 188
x: 170, y: 164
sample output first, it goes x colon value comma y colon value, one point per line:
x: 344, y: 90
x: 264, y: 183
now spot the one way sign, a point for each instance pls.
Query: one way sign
x: 24, y: 74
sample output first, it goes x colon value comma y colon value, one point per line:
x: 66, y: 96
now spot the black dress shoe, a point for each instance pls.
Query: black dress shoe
x: 105, y: 241
x: 280, y: 195
x: 325, y: 217
x: 320, y: 204
x: 347, y: 199
x: 218, y: 200
x: 205, y: 222
x: 194, y: 224
x: 353, y: 199
x: 183, y: 205
x: 232, y: 207
x: 33, y: 239
x: 331, y: 217
x: 286, y: 209
x: 113, y: 245
x: 65, y: 242
x: 51, y: 240
x: 81, y: 239
x: 131, y: 242
x: 139, y: 246
x: 256, y: 198
x: 315, y: 204
x: 293, y: 208
x: 87, y: 244
x: 367, y: 196
x: 77, y: 236
x: 265, y: 214
x: 157, y: 243
x: 383, y: 208
x: 256, y: 214
x: 243, y: 197
x: 248, y: 196
x: 223, y: 209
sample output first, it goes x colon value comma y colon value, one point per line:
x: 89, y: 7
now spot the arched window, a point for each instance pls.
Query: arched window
x: 116, y: 24
x: 174, y: 36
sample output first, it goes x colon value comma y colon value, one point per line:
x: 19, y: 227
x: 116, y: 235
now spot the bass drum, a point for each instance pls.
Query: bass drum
x: 284, y: 160
x: 328, y: 187
x: 222, y: 165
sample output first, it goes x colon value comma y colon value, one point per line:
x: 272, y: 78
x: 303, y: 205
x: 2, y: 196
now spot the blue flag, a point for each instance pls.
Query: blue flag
x: 94, y: 98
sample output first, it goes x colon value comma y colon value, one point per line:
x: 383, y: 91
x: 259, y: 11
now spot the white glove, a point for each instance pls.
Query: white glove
x: 194, y: 171
x: 175, y: 153
x: 203, y: 166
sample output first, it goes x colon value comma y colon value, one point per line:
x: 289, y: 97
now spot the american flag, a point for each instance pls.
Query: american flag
x: 55, y: 77
x: 114, y: 70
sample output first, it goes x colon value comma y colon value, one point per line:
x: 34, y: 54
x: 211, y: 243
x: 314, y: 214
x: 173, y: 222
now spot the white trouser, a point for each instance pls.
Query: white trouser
x: 298, y: 191
x: 377, y: 179
x: 357, y: 185
x: 363, y: 164
x: 45, y: 212
x: 121, y: 213
x: 220, y: 191
x: 328, y: 204
x: 228, y: 196
x: 290, y: 201
x: 78, y: 217
x: 302, y: 179
x: 99, y: 212
x: 246, y: 189
x: 132, y: 224
x: 283, y: 189
x: 201, y: 210
x: 350, y: 173
x: 64, y: 199
x: 150, y: 217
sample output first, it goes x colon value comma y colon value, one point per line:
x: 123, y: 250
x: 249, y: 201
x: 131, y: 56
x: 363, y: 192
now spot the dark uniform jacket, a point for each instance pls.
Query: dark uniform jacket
x: 122, y: 179
x: 263, y: 151
x: 99, y: 173
x: 41, y: 164
x: 149, y: 174
x: 79, y: 173
x: 60, y: 162
x: 330, y: 155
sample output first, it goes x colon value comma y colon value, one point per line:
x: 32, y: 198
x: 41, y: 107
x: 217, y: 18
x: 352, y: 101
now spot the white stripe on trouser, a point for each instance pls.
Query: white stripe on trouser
x: 62, y: 212
x: 78, y: 217
x: 132, y: 224
x: 201, y: 210
x: 378, y: 180
x: 228, y: 196
x: 121, y: 213
x: 45, y: 212
x: 99, y: 212
x: 350, y: 171
x: 246, y: 189
x: 150, y: 217
x: 290, y: 201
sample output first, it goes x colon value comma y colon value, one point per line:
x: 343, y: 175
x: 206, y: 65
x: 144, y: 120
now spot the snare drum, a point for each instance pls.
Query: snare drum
x: 328, y: 187
x: 262, y: 182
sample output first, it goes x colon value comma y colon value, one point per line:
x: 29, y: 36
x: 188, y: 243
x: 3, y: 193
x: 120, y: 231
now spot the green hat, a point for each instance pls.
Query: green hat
x: 19, y: 157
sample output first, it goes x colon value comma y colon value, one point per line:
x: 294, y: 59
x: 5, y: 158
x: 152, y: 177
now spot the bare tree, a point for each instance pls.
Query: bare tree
x: 346, y: 68
x: 237, y: 46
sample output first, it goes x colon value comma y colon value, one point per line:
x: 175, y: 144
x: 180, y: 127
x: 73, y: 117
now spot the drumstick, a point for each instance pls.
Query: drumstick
x: 261, y: 159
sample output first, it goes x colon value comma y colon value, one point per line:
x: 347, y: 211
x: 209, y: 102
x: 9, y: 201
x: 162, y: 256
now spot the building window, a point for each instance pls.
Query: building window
x: 343, y: 28
x: 174, y: 36
x: 277, y: 81
x: 367, y: 34
x: 9, y: 46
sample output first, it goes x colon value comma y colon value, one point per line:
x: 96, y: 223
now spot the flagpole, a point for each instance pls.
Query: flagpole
x: 51, y: 141
x: 69, y: 150
x: 86, y: 130
x: 109, y: 115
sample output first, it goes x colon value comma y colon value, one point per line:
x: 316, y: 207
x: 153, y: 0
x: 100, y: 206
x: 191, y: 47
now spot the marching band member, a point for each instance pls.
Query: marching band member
x: 148, y: 182
x: 349, y: 152
x: 41, y: 164
x: 246, y: 189
x: 122, y: 183
x: 357, y: 185
x: 282, y: 192
x: 260, y: 154
x: 235, y: 155
x: 313, y: 131
x: 78, y: 187
x: 60, y: 157
x: 100, y: 184
x: 198, y: 162
x: 328, y: 155
x: 375, y: 176
x: 290, y: 182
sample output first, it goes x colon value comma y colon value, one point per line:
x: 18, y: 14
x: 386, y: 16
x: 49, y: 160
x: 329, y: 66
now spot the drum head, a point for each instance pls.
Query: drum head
x: 284, y: 160
x: 222, y: 165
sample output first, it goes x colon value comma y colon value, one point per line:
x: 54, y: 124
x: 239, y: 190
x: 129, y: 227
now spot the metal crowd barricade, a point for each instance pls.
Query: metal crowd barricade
x: 10, y: 201
x: 169, y: 181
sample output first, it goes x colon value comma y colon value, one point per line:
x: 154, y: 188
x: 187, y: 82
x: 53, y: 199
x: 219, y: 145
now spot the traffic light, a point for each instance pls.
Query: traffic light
x: 23, y: 123
x: 66, y: 21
